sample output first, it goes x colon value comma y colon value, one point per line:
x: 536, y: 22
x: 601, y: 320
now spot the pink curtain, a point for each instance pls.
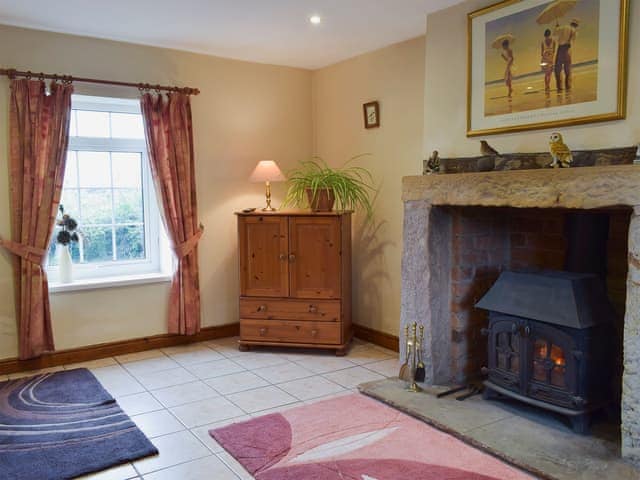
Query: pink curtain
x: 38, y: 137
x: 170, y: 142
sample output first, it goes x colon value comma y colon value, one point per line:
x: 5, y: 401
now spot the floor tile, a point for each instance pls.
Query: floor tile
x: 150, y: 365
x: 100, y: 362
x: 283, y: 372
x: 134, y: 357
x: 259, y: 359
x: 387, y: 368
x: 324, y: 364
x: 174, y: 448
x: 158, y: 423
x: 195, y: 356
x: 235, y: 466
x: 186, y: 393
x: 312, y: 387
x: 206, y: 411
x: 117, y: 381
x: 363, y: 354
x: 352, y: 377
x: 208, y: 468
x: 120, y: 472
x: 203, y: 435
x: 165, y: 378
x: 214, y: 369
x: 139, y: 403
x: 236, y: 382
x: 261, y: 399
x: 278, y: 409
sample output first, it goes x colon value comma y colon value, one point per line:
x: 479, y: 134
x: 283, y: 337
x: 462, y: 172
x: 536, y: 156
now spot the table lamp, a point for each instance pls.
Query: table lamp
x: 267, y: 171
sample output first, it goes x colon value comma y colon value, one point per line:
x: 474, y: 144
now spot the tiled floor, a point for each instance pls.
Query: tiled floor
x: 176, y: 395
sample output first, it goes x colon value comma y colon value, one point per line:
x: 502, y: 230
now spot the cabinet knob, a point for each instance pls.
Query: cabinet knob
x: 314, y: 333
x: 292, y: 257
x: 282, y: 256
x: 263, y: 331
x: 262, y: 308
x: 313, y: 309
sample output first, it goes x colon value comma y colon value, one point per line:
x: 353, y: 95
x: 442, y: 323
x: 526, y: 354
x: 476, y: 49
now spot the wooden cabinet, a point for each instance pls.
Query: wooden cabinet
x: 295, y: 279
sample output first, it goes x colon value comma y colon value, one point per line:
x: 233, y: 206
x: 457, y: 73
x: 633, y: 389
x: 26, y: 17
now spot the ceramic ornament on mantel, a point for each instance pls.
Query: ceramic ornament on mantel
x: 64, y: 238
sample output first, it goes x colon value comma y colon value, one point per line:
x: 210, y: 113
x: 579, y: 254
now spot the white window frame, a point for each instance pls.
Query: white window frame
x: 158, y: 262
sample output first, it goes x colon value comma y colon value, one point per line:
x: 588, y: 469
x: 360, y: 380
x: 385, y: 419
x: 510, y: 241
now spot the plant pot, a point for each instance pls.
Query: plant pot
x: 65, y: 265
x: 322, y: 201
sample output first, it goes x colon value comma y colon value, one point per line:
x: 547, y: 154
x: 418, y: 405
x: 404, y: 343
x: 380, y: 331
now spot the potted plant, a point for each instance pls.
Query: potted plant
x: 317, y: 184
x: 66, y: 235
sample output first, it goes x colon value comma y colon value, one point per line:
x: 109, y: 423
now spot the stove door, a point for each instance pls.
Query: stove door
x: 505, y: 352
x: 552, y: 376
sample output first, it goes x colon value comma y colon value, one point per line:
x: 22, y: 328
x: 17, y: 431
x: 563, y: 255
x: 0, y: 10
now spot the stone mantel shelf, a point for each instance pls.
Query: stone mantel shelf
x: 576, y: 188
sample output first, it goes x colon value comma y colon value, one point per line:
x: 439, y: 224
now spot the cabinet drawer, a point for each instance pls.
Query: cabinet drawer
x: 264, y: 308
x: 290, y: 331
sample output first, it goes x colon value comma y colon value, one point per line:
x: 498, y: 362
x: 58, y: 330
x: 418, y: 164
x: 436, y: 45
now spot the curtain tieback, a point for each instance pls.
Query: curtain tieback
x: 186, y: 247
x: 29, y: 253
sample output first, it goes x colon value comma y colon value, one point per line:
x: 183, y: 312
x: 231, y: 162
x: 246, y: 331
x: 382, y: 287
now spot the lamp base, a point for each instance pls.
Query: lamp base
x: 269, y: 208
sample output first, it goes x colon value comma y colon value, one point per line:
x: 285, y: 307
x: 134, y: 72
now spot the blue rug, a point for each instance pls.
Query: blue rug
x: 61, y: 425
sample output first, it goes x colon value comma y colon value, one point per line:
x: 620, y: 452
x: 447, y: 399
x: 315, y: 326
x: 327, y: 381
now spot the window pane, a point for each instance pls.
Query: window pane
x: 130, y: 242
x: 126, y: 125
x: 127, y: 169
x: 70, y: 203
x: 71, y: 170
x: 96, y: 206
x: 73, y: 126
x: 98, y: 244
x: 128, y: 205
x: 93, y: 124
x: 95, y: 170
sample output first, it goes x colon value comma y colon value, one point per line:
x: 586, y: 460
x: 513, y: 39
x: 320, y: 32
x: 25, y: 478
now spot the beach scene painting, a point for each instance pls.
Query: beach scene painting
x: 542, y: 57
x: 545, y: 61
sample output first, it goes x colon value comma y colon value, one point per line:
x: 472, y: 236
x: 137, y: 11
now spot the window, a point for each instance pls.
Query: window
x: 108, y: 190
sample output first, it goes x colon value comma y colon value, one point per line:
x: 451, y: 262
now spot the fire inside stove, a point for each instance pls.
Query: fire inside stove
x: 547, y: 342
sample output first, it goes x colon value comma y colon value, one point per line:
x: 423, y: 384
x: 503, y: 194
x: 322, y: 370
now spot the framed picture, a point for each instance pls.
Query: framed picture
x: 541, y: 64
x: 371, y: 114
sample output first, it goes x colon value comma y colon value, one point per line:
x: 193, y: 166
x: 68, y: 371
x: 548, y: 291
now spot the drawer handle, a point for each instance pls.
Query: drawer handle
x: 292, y: 257
x: 262, y: 308
x: 282, y: 256
x: 313, y: 309
x: 314, y: 333
x: 263, y: 331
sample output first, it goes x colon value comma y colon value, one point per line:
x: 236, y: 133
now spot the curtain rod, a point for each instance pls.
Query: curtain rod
x: 12, y: 73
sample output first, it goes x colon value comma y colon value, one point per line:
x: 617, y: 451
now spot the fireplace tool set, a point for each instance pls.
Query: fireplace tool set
x: 413, y: 369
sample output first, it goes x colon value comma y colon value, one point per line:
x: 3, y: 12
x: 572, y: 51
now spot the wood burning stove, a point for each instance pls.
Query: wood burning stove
x: 550, y: 340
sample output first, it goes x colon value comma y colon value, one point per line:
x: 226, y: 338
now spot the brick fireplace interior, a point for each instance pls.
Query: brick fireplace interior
x: 488, y: 240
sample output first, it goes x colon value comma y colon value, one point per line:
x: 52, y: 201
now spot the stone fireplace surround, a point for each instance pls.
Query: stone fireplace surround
x: 427, y: 256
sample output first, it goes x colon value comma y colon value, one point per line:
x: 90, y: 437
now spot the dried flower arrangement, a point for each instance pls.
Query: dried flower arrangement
x: 69, y: 225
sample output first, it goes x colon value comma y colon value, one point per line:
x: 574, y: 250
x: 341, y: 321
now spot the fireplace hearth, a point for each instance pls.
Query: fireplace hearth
x: 549, y: 342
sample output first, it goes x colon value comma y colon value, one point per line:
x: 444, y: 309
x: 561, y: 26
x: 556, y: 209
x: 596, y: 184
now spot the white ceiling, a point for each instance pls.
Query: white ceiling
x: 267, y: 31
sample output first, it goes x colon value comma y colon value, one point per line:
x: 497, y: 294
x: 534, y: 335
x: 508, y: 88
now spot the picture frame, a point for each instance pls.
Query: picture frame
x: 560, y: 65
x: 371, y: 111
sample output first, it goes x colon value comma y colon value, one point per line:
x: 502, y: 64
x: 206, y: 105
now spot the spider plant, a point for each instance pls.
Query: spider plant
x: 314, y: 179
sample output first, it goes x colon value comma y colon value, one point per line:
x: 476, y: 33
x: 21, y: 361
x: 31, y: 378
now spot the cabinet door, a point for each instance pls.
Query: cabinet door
x: 264, y: 268
x: 314, y: 257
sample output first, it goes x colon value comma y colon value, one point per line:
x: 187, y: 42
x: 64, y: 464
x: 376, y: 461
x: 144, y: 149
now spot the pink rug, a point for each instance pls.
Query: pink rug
x: 354, y: 438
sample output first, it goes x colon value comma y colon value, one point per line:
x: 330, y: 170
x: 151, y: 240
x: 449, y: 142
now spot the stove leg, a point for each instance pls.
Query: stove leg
x: 580, y: 423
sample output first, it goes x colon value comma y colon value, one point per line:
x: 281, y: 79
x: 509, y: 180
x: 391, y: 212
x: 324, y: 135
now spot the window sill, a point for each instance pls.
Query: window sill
x: 109, y: 282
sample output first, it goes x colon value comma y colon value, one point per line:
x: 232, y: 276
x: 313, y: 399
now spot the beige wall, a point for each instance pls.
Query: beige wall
x: 246, y: 112
x: 395, y: 77
x: 445, y: 94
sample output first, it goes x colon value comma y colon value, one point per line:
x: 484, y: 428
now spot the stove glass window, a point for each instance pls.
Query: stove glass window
x: 549, y: 363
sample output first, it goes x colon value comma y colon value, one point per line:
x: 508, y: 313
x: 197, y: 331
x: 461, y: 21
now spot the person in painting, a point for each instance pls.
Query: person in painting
x: 565, y: 37
x: 547, y: 52
x: 507, y: 55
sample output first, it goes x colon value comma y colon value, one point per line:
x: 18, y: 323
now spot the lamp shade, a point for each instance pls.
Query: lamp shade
x: 267, y: 171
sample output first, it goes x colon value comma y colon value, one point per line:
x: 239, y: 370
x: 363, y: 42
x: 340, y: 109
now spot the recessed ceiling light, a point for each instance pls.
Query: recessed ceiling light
x: 315, y: 19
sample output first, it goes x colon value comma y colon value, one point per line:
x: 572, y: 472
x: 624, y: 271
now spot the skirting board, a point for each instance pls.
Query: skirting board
x: 94, y: 352
x: 377, y: 337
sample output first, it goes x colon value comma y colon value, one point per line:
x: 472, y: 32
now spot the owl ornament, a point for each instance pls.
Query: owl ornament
x: 560, y: 153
